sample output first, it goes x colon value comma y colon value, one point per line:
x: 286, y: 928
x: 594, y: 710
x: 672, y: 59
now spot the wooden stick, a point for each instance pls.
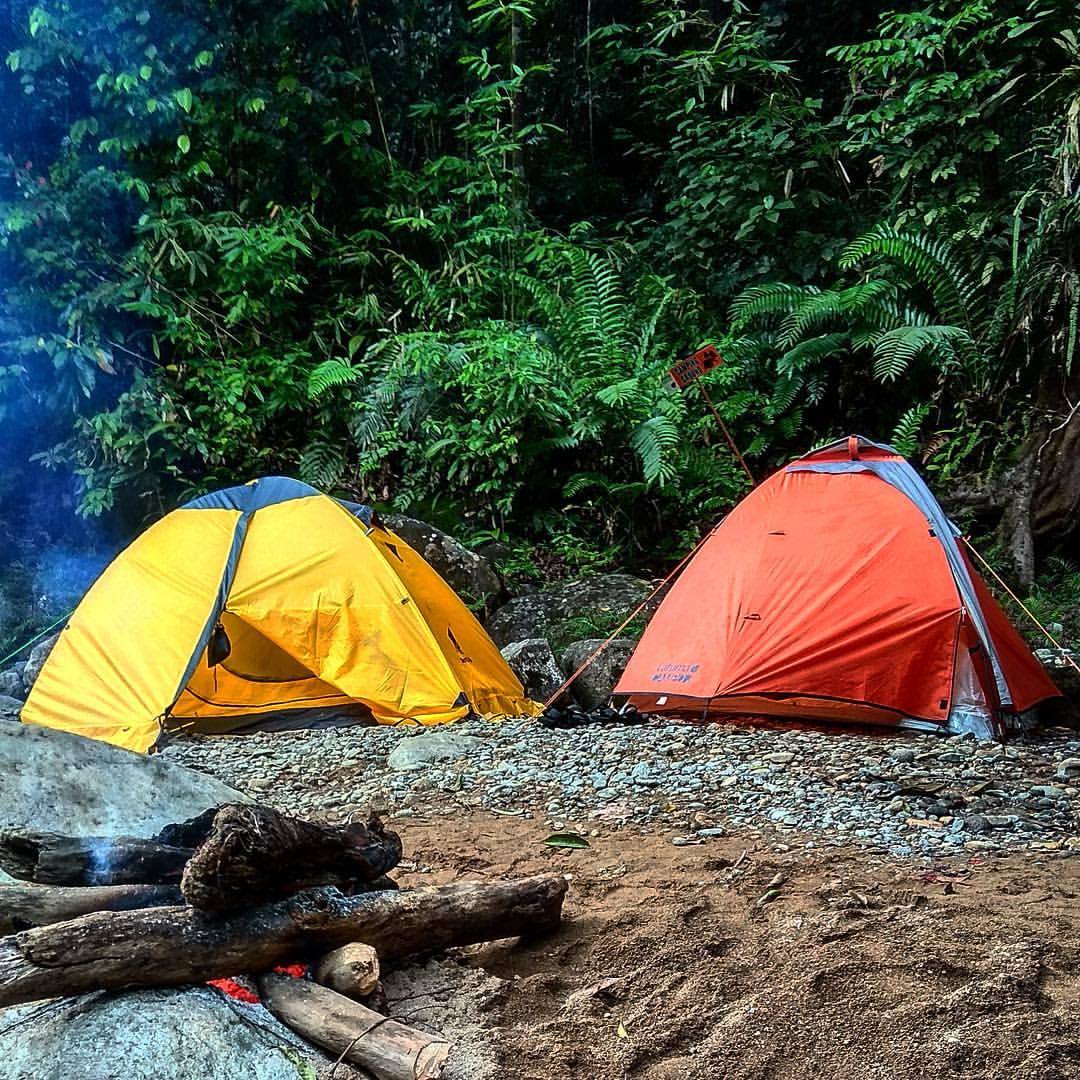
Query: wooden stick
x: 22, y: 906
x: 171, y: 946
x: 352, y: 970
x: 386, y: 1048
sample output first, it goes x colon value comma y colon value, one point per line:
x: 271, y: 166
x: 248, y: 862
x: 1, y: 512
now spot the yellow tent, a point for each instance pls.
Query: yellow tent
x: 258, y: 599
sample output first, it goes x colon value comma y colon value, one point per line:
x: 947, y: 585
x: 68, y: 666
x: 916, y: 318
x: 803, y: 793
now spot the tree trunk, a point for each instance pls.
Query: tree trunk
x: 389, y: 1050
x: 253, y: 854
x: 1038, y: 497
x: 22, y: 906
x: 172, y: 946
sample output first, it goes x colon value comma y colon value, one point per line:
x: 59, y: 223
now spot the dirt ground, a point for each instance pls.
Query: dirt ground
x: 670, y: 966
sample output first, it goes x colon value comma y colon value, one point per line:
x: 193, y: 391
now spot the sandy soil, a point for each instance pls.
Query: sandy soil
x: 670, y: 966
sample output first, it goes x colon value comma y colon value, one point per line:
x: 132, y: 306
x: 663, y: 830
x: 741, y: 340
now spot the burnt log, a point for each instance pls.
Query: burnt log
x: 252, y: 854
x: 23, y: 906
x: 172, y: 946
x: 386, y: 1048
x: 52, y: 859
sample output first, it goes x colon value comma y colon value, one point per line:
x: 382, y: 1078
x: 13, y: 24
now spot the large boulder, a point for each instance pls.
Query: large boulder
x: 415, y: 752
x: 63, y: 783
x: 594, y: 685
x: 563, y: 613
x: 36, y: 660
x: 1059, y: 666
x: 533, y: 662
x: 189, y: 1034
x: 10, y: 707
x: 11, y: 684
x: 470, y: 575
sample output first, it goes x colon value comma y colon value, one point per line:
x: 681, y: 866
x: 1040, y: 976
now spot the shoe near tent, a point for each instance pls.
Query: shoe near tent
x: 261, y: 599
x: 837, y: 590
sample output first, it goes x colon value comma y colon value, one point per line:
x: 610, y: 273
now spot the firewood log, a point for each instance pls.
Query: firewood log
x: 51, y: 859
x: 245, y: 855
x: 352, y: 970
x: 254, y: 853
x: 170, y: 946
x: 386, y: 1048
x: 22, y: 906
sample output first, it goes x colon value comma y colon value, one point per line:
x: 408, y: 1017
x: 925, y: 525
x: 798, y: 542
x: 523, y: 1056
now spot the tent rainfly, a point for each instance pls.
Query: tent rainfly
x: 837, y: 590
x: 261, y: 599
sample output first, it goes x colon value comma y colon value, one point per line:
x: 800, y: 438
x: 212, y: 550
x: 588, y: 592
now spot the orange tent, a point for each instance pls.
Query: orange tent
x: 837, y: 590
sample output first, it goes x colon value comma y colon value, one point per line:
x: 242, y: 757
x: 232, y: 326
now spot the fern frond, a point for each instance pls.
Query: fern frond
x: 833, y: 305
x: 620, y: 393
x: 784, y: 393
x: 905, y: 436
x: 328, y: 374
x: 932, y: 262
x: 895, y: 349
x: 322, y: 463
x: 811, y: 351
x: 762, y: 301
x: 653, y: 441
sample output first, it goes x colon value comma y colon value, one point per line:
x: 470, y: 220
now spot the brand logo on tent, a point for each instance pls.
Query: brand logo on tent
x: 676, y: 673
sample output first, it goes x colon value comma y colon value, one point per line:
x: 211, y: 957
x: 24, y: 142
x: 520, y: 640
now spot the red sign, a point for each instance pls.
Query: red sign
x: 690, y: 368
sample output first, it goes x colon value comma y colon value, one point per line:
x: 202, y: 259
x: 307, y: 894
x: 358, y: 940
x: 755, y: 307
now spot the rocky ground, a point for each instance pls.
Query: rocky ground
x: 902, y: 794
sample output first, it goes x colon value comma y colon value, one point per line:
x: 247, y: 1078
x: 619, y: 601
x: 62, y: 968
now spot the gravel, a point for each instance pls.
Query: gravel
x: 905, y: 794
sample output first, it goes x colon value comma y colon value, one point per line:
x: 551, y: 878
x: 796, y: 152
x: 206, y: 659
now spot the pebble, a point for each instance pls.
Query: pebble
x: 908, y: 795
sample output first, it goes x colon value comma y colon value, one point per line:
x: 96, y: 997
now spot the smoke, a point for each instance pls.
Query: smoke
x: 62, y: 577
x: 49, y: 554
x: 97, y: 871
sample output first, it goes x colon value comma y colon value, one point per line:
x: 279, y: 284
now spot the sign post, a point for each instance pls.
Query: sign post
x: 689, y: 370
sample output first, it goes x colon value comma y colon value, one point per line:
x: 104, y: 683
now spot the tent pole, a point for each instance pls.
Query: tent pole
x: 727, y: 434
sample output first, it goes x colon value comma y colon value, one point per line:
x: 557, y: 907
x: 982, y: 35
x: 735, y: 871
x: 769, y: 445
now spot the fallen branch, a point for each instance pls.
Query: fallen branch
x: 252, y: 854
x: 386, y: 1048
x: 22, y: 906
x: 172, y: 946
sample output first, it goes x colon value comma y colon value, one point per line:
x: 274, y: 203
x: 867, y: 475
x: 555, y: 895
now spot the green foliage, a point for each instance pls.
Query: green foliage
x: 442, y: 256
x: 1054, y: 598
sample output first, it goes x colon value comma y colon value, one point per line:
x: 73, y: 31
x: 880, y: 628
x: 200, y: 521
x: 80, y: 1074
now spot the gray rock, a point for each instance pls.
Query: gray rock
x: 599, y: 603
x: 469, y: 574
x: 533, y: 662
x: 10, y: 707
x: 594, y: 685
x: 780, y: 758
x: 64, y: 783
x: 36, y: 660
x: 11, y: 684
x: 419, y: 751
x: 1047, y: 791
x: 975, y: 823
x: 190, y: 1034
x: 1067, y: 768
